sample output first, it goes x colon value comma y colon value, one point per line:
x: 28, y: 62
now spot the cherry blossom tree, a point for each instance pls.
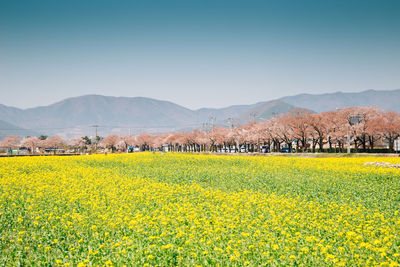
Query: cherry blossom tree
x: 173, y: 141
x: 283, y: 129
x: 31, y: 142
x: 145, y: 141
x: 363, y: 126
x: 300, y: 124
x: 202, y: 140
x: 11, y: 142
x: 336, y: 130
x: 78, y: 144
x: 121, y: 145
x: 389, y: 127
x: 53, y: 143
x: 111, y: 142
x: 319, y: 124
x: 220, y: 137
x: 266, y: 131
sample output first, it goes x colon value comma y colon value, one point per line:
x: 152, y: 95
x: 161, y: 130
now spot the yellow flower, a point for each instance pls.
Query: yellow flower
x: 168, y: 246
x: 233, y: 258
x: 304, y: 250
x: 234, y: 207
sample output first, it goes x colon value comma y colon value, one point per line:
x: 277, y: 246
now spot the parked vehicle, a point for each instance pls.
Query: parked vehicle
x: 23, y: 151
x: 132, y: 149
x: 285, y: 150
x: 54, y: 150
x: 264, y: 149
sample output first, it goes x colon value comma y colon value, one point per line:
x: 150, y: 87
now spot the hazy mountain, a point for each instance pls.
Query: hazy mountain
x: 120, y: 111
x: 75, y: 117
x: 221, y: 114
x: 113, y: 114
x: 265, y: 110
x: 386, y: 100
x: 10, y: 129
x: 10, y: 114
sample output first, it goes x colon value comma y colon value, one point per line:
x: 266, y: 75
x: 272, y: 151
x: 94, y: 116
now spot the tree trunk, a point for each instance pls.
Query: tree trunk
x: 290, y: 147
x: 321, y: 144
x: 391, y: 144
x: 304, y: 144
x: 356, y: 145
x: 371, y: 143
x: 364, y: 142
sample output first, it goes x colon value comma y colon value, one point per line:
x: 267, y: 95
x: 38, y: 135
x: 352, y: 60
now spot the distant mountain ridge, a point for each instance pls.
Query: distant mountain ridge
x: 386, y: 100
x: 77, y: 116
x: 10, y: 129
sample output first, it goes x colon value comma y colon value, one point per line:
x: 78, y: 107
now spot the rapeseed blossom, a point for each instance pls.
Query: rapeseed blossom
x: 179, y: 209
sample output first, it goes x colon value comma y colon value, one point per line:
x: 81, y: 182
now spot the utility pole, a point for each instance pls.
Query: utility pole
x: 205, y: 127
x: 352, y: 120
x: 253, y: 115
x: 212, y: 120
x: 231, y: 123
x: 95, y: 129
x: 348, y: 138
x: 95, y: 136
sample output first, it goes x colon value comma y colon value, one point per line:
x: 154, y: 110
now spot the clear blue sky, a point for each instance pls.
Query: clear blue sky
x: 195, y: 53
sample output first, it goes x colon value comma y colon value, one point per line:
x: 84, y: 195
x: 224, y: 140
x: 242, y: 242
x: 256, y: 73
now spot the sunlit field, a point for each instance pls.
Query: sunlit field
x: 180, y: 209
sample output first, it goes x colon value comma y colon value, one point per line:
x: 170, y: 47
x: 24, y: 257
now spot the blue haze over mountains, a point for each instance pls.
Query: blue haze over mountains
x: 74, y: 117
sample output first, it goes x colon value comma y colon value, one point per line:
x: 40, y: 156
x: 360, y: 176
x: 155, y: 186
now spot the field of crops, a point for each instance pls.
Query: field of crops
x: 176, y: 209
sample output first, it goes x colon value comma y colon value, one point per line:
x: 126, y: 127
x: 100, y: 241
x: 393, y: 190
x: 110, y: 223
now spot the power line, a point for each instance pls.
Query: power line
x: 95, y: 129
x: 101, y: 126
x: 34, y: 129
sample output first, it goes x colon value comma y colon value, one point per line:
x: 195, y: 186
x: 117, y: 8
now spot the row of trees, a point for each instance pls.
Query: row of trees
x: 297, y: 130
x: 363, y: 127
x: 33, y: 143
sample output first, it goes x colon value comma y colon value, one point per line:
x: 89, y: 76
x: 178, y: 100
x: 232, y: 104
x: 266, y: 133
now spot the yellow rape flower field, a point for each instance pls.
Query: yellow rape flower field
x: 182, y: 209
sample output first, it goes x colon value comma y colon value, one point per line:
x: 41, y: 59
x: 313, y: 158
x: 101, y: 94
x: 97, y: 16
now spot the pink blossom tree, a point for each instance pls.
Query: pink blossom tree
x: 31, y: 142
x: 11, y: 142
x: 53, y: 143
x: 145, y: 141
x: 110, y: 142
x: 300, y: 123
x: 389, y: 127
x: 77, y: 144
x: 319, y: 128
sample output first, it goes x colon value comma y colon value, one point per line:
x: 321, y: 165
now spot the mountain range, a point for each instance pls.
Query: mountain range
x: 10, y: 129
x: 79, y: 116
